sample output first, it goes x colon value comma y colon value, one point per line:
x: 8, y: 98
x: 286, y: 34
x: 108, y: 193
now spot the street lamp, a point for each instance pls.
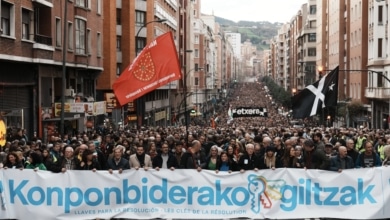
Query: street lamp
x: 185, y: 95
x: 140, y: 100
x: 196, y: 97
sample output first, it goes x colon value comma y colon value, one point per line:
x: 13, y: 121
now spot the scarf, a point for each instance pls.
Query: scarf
x: 141, y: 159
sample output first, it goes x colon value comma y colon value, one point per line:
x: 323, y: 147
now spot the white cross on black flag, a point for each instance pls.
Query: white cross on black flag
x: 313, y: 98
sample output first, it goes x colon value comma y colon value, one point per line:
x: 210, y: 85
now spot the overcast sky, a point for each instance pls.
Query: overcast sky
x: 253, y: 10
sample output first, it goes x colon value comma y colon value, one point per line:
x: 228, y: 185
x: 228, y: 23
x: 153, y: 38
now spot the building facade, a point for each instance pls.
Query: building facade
x: 48, y: 50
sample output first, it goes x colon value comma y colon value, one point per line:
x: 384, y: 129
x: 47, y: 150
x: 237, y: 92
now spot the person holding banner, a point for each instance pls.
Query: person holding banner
x: 193, y: 158
x: 341, y: 161
x: 140, y: 159
x: 165, y: 159
x: 117, y: 162
x: 368, y: 158
x: 249, y: 161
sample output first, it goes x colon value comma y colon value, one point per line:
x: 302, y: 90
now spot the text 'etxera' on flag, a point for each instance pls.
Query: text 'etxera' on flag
x: 155, y: 66
x: 317, y: 96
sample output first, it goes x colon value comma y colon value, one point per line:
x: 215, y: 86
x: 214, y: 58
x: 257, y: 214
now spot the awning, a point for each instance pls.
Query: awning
x: 59, y: 119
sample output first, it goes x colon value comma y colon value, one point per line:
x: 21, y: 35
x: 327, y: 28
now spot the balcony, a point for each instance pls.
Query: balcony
x: 43, y: 39
x: 377, y: 93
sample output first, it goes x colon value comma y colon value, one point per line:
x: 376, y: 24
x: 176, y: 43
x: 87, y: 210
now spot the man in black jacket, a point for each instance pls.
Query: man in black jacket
x: 249, y: 161
x: 165, y: 159
x: 314, y: 158
x: 341, y: 161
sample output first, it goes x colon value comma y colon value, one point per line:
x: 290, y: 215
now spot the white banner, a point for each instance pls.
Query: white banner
x: 283, y: 193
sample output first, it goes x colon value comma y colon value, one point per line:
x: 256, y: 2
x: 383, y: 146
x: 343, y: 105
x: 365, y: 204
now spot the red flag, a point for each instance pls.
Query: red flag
x: 155, y: 66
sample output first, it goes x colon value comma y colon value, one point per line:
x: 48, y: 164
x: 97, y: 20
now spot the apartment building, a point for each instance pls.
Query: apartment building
x: 378, y: 85
x: 129, y: 27
x: 34, y: 49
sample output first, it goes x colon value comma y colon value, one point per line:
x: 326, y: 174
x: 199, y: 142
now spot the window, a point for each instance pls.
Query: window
x: 196, y: 53
x: 99, y: 45
x: 141, y: 41
x: 380, y: 14
x: 118, y: 69
x: 58, y: 32
x: 380, y: 47
x: 313, y: 9
x: 313, y: 24
x: 140, y: 17
x: 99, y: 6
x: 80, y: 35
x: 197, y: 39
x: 89, y: 42
x: 81, y: 3
x: 70, y: 36
x: 380, y: 79
x: 118, y: 16
x: 118, y: 43
x: 26, y: 24
x: 6, y: 18
x: 196, y: 67
x: 311, y: 52
x: 312, y: 37
x: 196, y: 81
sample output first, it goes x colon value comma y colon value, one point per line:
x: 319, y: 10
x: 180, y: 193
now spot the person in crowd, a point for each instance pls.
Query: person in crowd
x: 318, y: 141
x: 379, y: 147
x: 211, y: 160
x: 78, y: 152
x: 351, y: 150
x: 66, y: 162
x: 152, y: 151
x: 117, y: 162
x: 258, y: 149
x: 368, y: 158
x: 35, y: 161
x: 47, y: 159
x: 359, y: 142
x: 165, y: 159
x: 249, y: 161
x: 225, y: 163
x: 88, y: 161
x: 279, y: 146
x: 140, y: 159
x: 55, y: 151
x: 341, y: 161
x: 97, y: 154
x: 289, y: 159
x: 192, y: 158
x: 12, y: 161
x: 269, y: 160
x: 386, y: 160
x: 178, y: 151
x: 329, y: 150
x: 314, y: 158
x: 230, y: 152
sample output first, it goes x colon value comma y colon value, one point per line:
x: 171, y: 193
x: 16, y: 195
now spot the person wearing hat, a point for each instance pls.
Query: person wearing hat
x: 269, y: 159
x: 329, y: 152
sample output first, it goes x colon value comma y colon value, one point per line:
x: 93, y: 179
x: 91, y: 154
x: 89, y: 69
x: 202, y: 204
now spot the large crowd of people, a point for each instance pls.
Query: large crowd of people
x: 247, y: 143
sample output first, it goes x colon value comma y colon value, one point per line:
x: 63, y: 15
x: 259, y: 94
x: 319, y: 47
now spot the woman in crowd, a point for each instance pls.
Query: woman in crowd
x: 289, y: 159
x: 269, y: 160
x: 88, y: 162
x: 211, y: 161
x: 12, y: 161
x: 230, y: 152
x: 35, y: 161
x: 225, y: 163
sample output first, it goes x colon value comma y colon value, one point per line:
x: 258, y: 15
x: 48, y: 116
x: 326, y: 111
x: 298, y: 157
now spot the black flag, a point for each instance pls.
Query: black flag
x: 321, y: 94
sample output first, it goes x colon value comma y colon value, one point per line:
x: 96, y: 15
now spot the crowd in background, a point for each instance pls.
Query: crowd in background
x: 247, y: 143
